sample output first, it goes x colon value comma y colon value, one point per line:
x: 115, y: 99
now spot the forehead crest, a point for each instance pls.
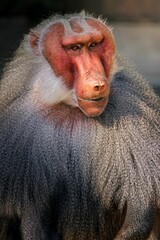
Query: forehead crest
x: 77, y: 25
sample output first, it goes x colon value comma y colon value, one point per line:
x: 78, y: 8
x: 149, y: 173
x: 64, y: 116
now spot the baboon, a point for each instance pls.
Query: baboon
x: 79, y: 138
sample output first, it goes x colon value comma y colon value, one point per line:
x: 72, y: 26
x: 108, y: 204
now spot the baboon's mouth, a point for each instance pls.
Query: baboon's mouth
x: 93, y: 106
x: 92, y: 99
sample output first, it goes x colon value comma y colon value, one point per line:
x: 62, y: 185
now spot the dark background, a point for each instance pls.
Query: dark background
x: 136, y: 27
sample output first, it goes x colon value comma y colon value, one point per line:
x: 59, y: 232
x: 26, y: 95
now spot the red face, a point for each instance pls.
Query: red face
x: 82, y: 53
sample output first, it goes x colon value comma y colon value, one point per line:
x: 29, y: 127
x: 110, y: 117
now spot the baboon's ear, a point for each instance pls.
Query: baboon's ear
x: 34, y: 38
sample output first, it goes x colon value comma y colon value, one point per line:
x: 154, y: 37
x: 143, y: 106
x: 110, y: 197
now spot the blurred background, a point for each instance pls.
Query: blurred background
x: 136, y: 27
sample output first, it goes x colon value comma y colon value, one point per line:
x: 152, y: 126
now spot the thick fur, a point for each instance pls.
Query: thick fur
x: 66, y: 176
